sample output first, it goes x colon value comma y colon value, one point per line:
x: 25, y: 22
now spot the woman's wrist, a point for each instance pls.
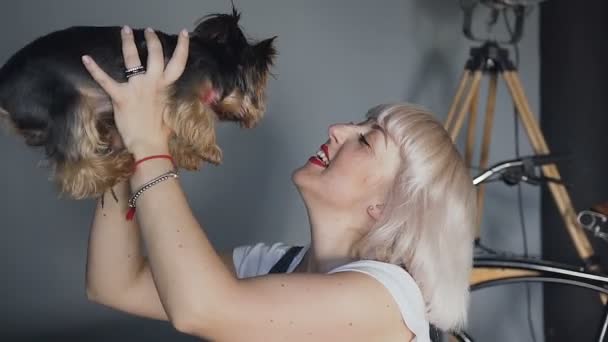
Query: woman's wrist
x: 146, y: 175
x: 145, y: 150
x: 121, y: 191
x: 148, y: 170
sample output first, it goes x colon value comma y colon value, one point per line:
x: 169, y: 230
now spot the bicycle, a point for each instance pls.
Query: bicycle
x: 492, y: 269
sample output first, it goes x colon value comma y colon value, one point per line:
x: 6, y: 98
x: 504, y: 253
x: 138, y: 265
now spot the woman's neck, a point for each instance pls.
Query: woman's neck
x: 330, y: 246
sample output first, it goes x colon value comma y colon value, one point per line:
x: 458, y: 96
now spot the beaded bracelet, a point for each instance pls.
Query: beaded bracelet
x: 146, y: 186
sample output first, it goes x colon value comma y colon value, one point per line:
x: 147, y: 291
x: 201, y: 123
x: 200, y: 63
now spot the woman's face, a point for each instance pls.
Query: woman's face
x: 353, y: 170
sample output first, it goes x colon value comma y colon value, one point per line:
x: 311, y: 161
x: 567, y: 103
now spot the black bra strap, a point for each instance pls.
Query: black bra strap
x: 283, y: 264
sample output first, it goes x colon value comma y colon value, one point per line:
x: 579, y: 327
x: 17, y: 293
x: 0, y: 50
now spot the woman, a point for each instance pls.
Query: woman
x: 391, y: 211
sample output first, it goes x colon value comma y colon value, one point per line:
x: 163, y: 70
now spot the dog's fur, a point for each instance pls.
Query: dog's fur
x: 49, y: 98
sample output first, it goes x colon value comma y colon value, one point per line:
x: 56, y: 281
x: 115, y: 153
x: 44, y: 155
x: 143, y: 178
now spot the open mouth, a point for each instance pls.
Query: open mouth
x: 321, y: 158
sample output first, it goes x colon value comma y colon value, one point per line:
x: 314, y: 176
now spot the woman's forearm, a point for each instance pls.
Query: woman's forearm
x: 114, y: 253
x: 189, y: 275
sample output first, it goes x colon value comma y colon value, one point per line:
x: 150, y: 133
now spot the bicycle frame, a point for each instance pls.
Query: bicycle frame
x: 496, y: 270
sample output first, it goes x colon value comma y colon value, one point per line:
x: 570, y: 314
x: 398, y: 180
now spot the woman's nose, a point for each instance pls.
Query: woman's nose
x: 338, y: 132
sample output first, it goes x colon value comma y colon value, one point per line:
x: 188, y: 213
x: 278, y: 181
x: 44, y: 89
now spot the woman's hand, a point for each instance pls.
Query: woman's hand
x: 140, y: 104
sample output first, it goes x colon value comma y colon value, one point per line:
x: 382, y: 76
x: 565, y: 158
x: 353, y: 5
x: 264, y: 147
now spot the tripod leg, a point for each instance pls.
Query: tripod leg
x: 464, y: 80
x: 485, y: 145
x: 471, y: 125
x: 520, y: 100
x: 466, y: 105
x: 560, y: 195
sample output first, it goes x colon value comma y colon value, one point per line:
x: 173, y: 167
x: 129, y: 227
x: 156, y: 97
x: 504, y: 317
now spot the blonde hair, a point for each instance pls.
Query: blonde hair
x: 429, y: 214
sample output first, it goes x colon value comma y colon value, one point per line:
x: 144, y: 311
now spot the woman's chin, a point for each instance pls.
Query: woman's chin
x: 298, y: 177
x: 304, y: 180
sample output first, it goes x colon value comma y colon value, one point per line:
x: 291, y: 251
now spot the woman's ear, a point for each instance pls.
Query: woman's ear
x: 375, y: 211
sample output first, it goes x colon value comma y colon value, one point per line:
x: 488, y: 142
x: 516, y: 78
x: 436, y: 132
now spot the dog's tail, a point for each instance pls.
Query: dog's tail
x: 35, y: 133
x: 6, y: 123
x: 42, y: 116
x: 4, y: 117
x: 29, y: 119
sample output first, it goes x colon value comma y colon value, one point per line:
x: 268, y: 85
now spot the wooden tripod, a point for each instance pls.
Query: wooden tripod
x: 491, y: 59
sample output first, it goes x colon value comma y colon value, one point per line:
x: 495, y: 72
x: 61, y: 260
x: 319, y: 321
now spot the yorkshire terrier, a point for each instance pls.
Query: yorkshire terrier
x: 49, y: 98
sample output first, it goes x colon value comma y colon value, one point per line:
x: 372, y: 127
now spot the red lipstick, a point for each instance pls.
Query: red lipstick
x: 316, y: 161
x: 325, y: 149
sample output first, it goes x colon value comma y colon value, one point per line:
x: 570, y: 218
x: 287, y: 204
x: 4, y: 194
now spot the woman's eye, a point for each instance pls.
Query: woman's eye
x: 363, y: 140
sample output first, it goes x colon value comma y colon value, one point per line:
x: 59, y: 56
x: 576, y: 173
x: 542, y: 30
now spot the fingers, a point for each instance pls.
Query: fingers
x: 129, y: 50
x: 177, y: 64
x: 105, y: 81
x: 156, y: 59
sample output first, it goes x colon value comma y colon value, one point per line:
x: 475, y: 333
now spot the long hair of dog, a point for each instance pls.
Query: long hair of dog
x: 90, y: 166
x: 194, y: 139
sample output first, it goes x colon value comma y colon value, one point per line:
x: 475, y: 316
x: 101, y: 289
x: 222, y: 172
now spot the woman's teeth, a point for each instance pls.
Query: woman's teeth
x: 323, y: 157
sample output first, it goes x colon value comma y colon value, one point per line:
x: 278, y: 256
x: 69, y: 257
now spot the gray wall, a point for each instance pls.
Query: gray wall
x: 337, y: 59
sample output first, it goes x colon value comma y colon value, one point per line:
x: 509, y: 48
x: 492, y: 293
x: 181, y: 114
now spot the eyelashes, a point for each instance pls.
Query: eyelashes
x: 363, y: 140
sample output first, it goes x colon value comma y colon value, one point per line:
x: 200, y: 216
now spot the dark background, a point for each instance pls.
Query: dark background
x: 574, y: 118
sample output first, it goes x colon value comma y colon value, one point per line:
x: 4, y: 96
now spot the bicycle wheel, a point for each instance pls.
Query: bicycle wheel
x: 496, y: 277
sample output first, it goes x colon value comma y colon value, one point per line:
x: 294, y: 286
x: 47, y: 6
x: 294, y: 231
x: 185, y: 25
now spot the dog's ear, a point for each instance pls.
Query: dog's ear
x: 221, y: 29
x: 264, y: 53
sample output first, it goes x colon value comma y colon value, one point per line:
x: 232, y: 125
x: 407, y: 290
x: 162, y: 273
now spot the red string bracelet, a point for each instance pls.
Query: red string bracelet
x: 131, y: 212
x: 156, y: 156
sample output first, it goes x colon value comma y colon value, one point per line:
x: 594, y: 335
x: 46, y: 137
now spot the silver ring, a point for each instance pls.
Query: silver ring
x: 140, y: 69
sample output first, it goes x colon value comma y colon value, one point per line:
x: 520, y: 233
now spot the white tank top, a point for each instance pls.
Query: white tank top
x: 251, y: 261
